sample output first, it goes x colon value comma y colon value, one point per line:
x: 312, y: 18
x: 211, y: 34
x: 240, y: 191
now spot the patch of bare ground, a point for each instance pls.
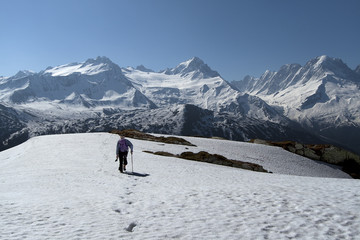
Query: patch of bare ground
x: 214, y: 159
x: 131, y: 133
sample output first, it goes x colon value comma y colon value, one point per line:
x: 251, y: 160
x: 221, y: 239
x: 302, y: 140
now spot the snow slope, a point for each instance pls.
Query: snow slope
x: 68, y: 187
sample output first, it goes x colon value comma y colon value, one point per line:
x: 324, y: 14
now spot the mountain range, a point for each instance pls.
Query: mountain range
x: 315, y: 103
x: 323, y: 96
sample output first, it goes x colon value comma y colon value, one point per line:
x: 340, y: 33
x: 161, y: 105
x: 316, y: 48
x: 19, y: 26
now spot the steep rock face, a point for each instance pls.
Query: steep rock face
x: 12, y: 129
x: 323, y: 95
x: 319, y: 96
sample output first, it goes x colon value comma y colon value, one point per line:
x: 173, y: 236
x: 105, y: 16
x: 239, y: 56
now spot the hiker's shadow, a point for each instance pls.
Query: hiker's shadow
x: 138, y: 174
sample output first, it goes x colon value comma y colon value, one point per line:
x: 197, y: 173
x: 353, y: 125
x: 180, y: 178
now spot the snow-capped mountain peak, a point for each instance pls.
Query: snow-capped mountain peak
x: 312, y: 73
x: 99, y: 60
x: 89, y: 67
x: 192, y: 63
x: 320, y: 60
x: 325, y: 65
x: 23, y: 73
x: 93, y: 83
x: 194, y: 67
x: 143, y: 69
x: 322, y: 95
x: 325, y: 62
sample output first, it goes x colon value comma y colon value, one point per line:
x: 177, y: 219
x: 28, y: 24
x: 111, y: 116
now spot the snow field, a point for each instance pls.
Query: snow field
x: 68, y: 187
x: 273, y: 159
x: 68, y: 69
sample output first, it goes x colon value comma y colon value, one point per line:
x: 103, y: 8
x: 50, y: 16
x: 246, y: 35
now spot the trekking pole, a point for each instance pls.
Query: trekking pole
x: 132, y: 162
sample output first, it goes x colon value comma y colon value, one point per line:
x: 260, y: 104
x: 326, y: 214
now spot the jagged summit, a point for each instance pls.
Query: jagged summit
x: 99, y: 60
x: 143, y: 68
x: 331, y: 66
x: 325, y: 62
x: 322, y: 95
x: 192, y: 63
x: 316, y: 69
x: 323, y: 59
x: 23, y: 73
x: 195, y: 68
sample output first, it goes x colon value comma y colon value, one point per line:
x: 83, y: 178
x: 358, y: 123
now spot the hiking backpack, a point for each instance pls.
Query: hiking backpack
x: 123, y: 147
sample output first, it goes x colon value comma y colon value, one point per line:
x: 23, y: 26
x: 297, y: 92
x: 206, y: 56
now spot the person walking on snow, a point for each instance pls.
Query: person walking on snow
x: 122, y: 150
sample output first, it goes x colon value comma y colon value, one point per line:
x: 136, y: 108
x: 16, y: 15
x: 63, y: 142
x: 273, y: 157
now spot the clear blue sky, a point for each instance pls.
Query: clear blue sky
x: 234, y: 37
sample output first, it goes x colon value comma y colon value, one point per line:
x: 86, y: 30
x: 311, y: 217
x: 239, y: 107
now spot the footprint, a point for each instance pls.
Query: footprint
x: 130, y: 228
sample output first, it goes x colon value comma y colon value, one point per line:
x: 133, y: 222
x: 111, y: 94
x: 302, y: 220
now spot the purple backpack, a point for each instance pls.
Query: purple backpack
x: 123, y: 147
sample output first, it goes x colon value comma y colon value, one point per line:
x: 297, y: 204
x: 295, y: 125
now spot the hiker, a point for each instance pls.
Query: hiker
x: 122, y: 149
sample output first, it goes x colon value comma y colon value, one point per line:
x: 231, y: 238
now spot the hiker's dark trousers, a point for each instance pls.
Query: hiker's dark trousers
x: 123, y: 160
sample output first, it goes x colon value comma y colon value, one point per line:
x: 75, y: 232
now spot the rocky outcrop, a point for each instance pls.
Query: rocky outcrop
x: 214, y: 159
x: 148, y: 137
x: 349, y: 161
